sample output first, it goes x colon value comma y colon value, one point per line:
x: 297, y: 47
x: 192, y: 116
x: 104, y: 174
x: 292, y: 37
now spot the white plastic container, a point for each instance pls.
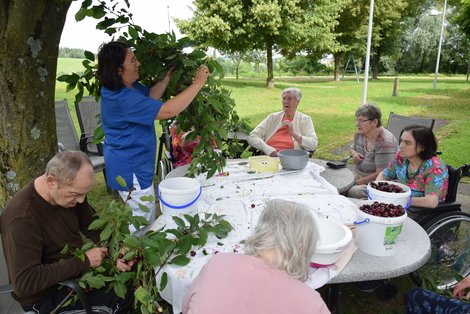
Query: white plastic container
x: 334, y: 238
x: 178, y: 196
x: 379, y: 236
x: 403, y: 199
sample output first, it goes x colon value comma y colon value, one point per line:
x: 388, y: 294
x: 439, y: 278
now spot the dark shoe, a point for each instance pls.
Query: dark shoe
x: 368, y: 286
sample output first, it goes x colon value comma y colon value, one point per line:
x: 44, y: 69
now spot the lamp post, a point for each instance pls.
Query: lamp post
x: 369, y: 40
x: 440, y: 44
x: 168, y: 14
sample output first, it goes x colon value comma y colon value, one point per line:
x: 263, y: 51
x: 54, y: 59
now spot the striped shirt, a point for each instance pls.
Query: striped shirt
x: 385, y: 148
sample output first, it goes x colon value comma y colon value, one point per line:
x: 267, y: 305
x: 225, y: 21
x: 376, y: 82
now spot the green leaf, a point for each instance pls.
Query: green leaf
x: 138, y: 221
x: 97, y: 224
x: 198, y: 54
x: 120, y: 180
x: 142, y: 295
x: 129, y: 255
x: 151, y: 256
x: 87, y: 245
x: 89, y: 55
x: 179, y: 222
x: 148, y: 198
x: 120, y: 289
x: 133, y: 32
x: 144, y: 309
x: 189, y: 218
x: 177, y: 233
x: 185, y: 244
x: 163, y: 281
x: 180, y: 260
x: 81, y: 14
x: 96, y: 282
x: 106, y: 233
x: 202, y: 237
x: 131, y: 242
x: 143, y: 208
x: 65, y: 250
x: 123, y: 277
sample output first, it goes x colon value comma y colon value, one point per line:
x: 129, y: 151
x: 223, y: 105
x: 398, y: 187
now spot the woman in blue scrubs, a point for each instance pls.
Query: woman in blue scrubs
x: 128, y: 111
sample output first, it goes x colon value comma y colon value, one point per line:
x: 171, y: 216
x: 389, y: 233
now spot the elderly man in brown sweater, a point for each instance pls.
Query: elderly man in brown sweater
x: 48, y: 213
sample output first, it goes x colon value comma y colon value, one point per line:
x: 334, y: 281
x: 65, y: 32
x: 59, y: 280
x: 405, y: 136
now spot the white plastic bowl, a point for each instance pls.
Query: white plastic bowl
x: 334, y: 239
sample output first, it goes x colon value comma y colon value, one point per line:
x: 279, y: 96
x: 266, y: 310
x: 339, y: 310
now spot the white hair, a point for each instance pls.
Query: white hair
x: 288, y: 228
x: 294, y: 91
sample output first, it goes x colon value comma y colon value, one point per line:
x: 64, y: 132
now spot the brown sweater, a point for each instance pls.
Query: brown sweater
x: 33, y: 234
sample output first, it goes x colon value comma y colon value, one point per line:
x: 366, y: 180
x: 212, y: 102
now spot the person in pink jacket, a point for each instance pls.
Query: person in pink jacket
x: 270, y: 277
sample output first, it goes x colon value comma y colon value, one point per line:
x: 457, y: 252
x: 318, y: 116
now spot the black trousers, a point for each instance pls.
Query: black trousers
x: 99, y: 297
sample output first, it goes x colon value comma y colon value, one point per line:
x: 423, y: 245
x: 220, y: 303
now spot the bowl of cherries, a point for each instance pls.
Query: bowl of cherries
x: 380, y: 209
x: 389, y: 192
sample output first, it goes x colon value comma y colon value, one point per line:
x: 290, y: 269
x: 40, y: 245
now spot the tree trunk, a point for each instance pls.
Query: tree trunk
x: 269, y: 58
x: 338, y: 59
x: 468, y: 69
x: 30, y: 33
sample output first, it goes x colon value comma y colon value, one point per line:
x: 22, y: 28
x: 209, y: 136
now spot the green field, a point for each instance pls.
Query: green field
x: 332, y: 106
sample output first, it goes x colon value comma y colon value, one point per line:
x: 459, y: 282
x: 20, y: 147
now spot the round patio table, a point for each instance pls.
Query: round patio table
x: 342, y: 179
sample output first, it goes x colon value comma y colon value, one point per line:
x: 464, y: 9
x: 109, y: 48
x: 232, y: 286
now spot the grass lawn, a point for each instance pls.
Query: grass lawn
x: 332, y: 106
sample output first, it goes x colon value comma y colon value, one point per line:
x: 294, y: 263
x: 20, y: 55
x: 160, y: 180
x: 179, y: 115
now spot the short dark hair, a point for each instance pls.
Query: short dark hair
x: 371, y: 111
x: 110, y: 59
x: 425, y: 138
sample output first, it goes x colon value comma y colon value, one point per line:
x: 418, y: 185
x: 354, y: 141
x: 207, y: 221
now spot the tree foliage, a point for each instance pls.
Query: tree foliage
x: 241, y: 26
x: 211, y: 114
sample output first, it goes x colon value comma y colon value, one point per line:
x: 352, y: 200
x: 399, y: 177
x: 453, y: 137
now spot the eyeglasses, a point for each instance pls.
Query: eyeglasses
x: 133, y: 62
x: 362, y: 120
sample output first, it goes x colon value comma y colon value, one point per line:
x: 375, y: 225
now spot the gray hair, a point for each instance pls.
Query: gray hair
x: 371, y: 112
x: 65, y: 165
x: 289, y: 228
x: 295, y: 91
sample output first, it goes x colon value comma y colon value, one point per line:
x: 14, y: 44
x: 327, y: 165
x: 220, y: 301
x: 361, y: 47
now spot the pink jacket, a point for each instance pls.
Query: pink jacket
x: 231, y: 283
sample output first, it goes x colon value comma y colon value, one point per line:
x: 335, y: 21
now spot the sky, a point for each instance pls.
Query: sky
x: 152, y: 15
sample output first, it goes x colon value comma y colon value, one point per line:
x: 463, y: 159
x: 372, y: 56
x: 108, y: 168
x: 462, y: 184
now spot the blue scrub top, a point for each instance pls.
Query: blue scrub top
x: 130, y: 144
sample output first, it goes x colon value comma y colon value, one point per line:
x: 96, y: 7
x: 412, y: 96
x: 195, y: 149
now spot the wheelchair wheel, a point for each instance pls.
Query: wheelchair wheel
x: 449, y: 234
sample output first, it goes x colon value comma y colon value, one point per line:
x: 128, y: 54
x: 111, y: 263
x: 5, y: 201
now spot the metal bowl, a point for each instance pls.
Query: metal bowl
x: 293, y: 159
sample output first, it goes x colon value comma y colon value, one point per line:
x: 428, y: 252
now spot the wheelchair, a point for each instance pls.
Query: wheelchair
x: 449, y: 232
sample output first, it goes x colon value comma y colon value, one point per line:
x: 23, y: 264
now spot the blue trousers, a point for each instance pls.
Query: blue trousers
x: 420, y: 301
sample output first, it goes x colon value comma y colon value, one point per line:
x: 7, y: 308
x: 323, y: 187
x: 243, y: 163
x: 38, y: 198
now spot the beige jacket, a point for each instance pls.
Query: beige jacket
x: 302, y: 123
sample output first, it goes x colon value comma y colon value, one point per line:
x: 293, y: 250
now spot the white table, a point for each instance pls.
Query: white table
x: 241, y: 197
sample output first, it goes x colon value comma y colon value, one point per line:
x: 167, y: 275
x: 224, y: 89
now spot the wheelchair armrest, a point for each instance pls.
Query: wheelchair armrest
x: 441, y: 208
x: 7, y: 288
x: 73, y: 284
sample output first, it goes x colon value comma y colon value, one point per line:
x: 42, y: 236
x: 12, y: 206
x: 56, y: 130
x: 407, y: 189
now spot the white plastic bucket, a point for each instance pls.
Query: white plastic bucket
x: 178, y: 196
x: 403, y: 199
x: 377, y: 235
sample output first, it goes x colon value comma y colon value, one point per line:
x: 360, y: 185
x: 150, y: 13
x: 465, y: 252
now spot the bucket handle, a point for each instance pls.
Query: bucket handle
x: 178, y: 206
x: 407, y: 204
x: 367, y: 221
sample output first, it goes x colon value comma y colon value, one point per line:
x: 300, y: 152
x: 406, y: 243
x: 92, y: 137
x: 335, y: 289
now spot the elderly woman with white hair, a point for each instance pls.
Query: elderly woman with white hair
x: 270, y: 277
x: 286, y: 129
